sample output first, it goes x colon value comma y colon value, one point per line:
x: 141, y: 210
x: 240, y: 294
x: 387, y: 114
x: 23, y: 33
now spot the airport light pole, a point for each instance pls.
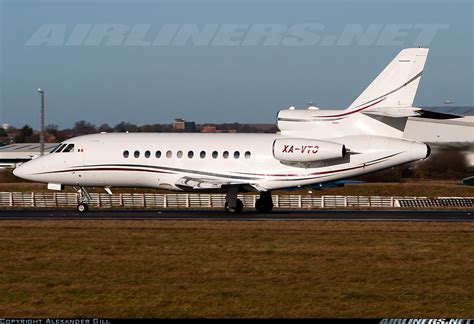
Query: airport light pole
x: 41, y: 134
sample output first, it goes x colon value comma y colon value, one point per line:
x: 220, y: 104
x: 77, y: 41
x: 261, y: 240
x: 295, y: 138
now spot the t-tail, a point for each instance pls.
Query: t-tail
x: 394, y: 89
x: 382, y: 108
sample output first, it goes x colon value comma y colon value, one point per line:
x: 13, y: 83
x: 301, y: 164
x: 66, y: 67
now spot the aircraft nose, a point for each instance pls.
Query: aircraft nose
x: 26, y: 170
x: 19, y: 171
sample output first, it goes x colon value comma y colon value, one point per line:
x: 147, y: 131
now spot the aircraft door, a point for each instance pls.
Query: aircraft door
x: 89, y: 172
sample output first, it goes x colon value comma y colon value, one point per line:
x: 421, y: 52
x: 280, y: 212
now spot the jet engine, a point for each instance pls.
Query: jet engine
x: 306, y: 150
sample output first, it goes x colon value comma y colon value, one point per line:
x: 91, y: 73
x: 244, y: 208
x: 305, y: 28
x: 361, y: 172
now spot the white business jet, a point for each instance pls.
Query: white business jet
x: 313, y: 147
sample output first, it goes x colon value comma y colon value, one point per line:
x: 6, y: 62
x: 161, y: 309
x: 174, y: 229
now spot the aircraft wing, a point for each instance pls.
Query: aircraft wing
x: 202, y: 183
x: 328, y: 185
x: 191, y: 183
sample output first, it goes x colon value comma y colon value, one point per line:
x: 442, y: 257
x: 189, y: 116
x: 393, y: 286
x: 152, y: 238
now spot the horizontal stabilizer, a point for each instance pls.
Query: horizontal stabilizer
x: 395, y: 112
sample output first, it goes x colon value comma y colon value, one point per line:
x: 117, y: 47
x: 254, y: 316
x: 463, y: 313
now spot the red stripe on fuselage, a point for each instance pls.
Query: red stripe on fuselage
x: 353, y: 111
x: 106, y: 169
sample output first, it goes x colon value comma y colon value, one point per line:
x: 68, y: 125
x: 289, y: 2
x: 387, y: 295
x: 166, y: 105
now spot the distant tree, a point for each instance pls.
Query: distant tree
x: 83, y: 128
x: 105, y: 128
x: 26, y: 131
x: 25, y: 134
x: 52, y: 129
x: 2, y: 132
x: 274, y: 129
x: 126, y: 127
x: 150, y: 128
x: 64, y: 134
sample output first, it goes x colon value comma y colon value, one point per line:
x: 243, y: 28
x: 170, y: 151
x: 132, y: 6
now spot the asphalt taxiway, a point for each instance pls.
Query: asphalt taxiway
x: 277, y: 215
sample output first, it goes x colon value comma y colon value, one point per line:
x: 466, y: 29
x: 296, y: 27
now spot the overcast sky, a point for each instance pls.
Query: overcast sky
x: 219, y: 60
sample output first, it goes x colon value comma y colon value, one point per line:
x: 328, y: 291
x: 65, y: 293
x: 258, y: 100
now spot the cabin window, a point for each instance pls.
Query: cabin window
x: 158, y: 154
x: 247, y: 155
x: 136, y: 154
x: 225, y: 155
x: 236, y: 154
x: 190, y: 154
x: 179, y: 154
x: 147, y: 154
x: 215, y: 154
x: 69, y: 148
x: 169, y: 154
x: 126, y: 154
x: 202, y: 154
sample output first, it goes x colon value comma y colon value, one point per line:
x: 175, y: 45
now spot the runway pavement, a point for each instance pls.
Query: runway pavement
x: 278, y: 215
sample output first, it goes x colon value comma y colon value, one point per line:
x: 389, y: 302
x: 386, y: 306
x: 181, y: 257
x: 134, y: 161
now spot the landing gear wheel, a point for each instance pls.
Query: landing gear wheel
x: 264, y: 205
x: 82, y: 208
x: 238, y: 208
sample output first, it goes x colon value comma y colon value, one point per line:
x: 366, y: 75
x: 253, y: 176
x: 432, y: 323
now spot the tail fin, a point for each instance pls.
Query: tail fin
x: 397, y: 84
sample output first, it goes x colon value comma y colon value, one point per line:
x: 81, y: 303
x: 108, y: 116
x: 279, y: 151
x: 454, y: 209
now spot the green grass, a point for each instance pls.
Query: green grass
x: 235, y: 269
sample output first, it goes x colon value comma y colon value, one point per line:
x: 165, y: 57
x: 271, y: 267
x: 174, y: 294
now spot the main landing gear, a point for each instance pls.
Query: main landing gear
x: 234, y: 206
x: 84, y: 199
x: 265, y: 203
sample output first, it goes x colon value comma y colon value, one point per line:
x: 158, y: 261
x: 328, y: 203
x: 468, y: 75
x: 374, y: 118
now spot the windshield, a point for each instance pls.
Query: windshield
x: 54, y: 148
x: 69, y: 148
x: 60, y: 148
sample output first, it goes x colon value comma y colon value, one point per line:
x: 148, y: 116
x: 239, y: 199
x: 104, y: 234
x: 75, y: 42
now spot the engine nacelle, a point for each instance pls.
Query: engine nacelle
x: 306, y: 150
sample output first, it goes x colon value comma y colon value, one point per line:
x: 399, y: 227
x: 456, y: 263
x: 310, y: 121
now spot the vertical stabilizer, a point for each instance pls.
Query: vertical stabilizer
x: 396, y: 86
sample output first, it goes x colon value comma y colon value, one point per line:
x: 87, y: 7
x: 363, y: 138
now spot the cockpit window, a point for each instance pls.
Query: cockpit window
x: 69, y: 148
x: 60, y: 148
x: 55, y: 148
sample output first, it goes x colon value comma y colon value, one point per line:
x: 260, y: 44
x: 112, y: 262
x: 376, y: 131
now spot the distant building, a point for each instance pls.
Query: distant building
x: 214, y: 129
x: 189, y: 127
x: 208, y: 129
x: 178, y: 125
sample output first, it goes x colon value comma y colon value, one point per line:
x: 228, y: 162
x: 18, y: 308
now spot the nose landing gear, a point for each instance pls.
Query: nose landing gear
x: 84, y: 199
x: 82, y: 207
